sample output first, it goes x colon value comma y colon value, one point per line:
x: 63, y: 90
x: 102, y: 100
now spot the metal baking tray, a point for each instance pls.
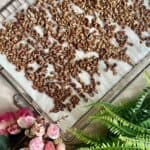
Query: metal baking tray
x: 82, y: 122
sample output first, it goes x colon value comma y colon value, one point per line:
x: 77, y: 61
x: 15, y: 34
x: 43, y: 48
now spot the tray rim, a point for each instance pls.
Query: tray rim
x: 6, y: 5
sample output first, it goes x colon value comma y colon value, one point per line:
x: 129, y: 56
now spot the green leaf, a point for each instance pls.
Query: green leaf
x: 147, y: 76
x: 141, y: 111
x: 141, y: 100
x: 146, y: 123
x: 4, y: 143
x: 112, y: 146
x: 117, y: 124
x: 142, y: 143
x: 84, y: 137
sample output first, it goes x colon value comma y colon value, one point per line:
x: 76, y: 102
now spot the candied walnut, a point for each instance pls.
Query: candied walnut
x: 121, y: 38
x: 74, y: 100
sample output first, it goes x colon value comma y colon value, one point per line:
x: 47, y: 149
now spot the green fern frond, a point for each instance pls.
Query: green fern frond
x: 147, y: 76
x: 113, y: 125
x: 85, y: 138
x: 142, y: 143
x: 141, y: 111
x: 112, y: 107
x: 100, y: 113
x: 118, y: 124
x: 135, y: 111
x: 91, y: 142
x: 140, y: 101
x: 146, y: 123
x: 119, y: 146
x: 113, y: 146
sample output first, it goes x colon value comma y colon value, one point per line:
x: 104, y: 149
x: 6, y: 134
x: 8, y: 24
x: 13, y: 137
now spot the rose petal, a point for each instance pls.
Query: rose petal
x: 14, y: 129
x: 37, y: 129
x: 53, y: 131
x: 49, y: 146
x: 4, y: 125
x: 23, y: 112
x: 25, y: 148
x: 26, y: 122
x: 40, y: 132
x: 6, y: 120
x: 8, y: 116
x: 36, y: 144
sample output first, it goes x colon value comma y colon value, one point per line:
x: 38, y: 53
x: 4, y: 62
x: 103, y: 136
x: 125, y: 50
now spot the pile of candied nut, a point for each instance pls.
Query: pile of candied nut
x: 50, y: 33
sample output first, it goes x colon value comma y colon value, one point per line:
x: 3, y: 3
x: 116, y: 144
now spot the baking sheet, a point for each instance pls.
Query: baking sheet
x: 107, y: 79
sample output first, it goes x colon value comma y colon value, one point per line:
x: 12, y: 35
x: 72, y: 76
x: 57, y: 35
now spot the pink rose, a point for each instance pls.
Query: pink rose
x: 36, y: 144
x: 26, y: 122
x: 61, y: 146
x: 37, y: 130
x: 53, y: 131
x: 8, y: 116
x: 23, y: 112
x: 3, y: 126
x: 13, y: 129
x: 49, y: 146
x: 40, y: 132
x: 6, y: 120
x: 3, y: 132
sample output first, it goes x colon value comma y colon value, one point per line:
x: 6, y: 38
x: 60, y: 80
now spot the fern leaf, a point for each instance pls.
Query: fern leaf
x: 118, y: 124
x: 142, y: 143
x: 113, y: 125
x: 142, y: 109
x: 140, y: 101
x: 111, y: 148
x: 147, y: 76
x: 146, y: 123
x: 85, y: 138
x: 122, y: 120
x: 123, y: 110
x: 117, y: 146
